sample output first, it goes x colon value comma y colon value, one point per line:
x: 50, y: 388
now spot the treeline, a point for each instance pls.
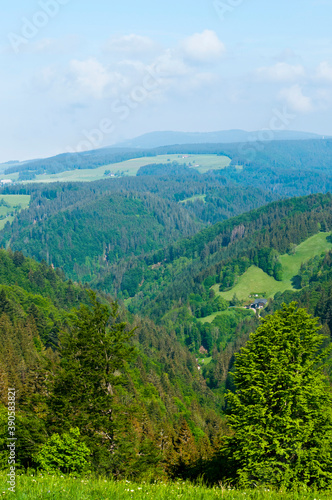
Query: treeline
x: 72, y: 161
x: 296, y: 154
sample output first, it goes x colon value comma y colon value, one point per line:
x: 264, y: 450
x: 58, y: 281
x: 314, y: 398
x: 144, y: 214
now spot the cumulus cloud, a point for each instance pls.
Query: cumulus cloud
x: 296, y: 100
x: 91, y: 77
x: 281, y: 72
x: 324, y: 71
x: 170, y: 65
x: 203, y: 47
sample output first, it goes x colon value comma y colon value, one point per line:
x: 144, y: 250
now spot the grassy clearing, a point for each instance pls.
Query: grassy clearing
x: 16, y: 202
x: 202, y: 163
x: 315, y: 245
x: 209, y: 319
x: 193, y: 198
x: 41, y: 488
x: 256, y: 281
x: 205, y: 361
x: 232, y: 311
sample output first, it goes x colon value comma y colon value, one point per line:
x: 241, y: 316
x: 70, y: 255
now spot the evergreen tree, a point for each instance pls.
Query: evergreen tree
x: 93, y: 356
x: 281, y: 412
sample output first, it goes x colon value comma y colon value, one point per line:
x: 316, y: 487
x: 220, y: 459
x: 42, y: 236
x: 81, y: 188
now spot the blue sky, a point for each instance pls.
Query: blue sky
x: 78, y: 74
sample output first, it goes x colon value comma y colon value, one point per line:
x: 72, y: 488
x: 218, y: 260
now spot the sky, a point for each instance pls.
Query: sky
x: 77, y: 74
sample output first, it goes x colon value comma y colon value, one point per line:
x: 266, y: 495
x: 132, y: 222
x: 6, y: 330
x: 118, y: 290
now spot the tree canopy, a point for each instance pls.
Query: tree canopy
x: 281, y: 412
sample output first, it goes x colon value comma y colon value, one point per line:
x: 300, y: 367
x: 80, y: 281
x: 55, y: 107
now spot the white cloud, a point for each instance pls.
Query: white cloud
x: 170, y: 65
x: 131, y: 45
x: 324, y: 71
x: 203, y: 47
x: 296, y: 100
x: 91, y: 77
x: 281, y: 72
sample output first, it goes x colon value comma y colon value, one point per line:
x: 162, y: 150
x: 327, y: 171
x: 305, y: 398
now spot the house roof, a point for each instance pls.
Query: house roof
x: 261, y: 301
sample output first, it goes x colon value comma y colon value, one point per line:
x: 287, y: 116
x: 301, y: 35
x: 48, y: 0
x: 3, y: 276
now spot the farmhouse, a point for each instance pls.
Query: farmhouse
x: 6, y: 181
x: 259, y: 304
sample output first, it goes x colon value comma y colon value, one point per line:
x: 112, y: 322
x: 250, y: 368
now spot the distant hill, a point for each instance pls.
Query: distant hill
x: 157, y: 139
x: 305, y: 153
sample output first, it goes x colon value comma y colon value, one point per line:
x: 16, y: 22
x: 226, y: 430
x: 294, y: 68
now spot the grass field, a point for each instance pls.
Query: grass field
x: 193, y: 198
x: 16, y: 202
x: 209, y: 319
x: 202, y: 163
x: 65, y: 488
x: 256, y: 281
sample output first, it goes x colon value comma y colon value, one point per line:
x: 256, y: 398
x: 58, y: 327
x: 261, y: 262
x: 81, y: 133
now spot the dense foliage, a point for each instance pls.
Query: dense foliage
x: 144, y: 402
x: 140, y: 392
x: 281, y: 412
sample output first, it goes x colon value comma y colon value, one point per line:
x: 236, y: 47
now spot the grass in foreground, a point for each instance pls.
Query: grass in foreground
x: 40, y: 488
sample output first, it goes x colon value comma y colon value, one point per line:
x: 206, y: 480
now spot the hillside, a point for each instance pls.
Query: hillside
x: 179, y: 286
x: 257, y: 282
x: 310, y: 155
x: 169, y: 400
x: 89, y: 227
x: 162, y: 379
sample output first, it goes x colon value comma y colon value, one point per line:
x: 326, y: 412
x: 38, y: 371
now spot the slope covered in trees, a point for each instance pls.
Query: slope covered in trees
x: 155, y: 392
x: 289, y: 154
x: 77, y: 227
x: 160, y: 407
x: 132, y: 403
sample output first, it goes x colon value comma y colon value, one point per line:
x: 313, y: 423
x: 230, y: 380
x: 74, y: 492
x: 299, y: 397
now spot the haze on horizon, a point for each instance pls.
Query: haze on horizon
x: 73, y: 70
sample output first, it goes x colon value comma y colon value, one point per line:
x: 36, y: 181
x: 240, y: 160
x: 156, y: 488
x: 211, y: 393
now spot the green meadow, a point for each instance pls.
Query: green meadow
x: 202, y: 163
x: 67, y: 488
x: 256, y: 281
x: 193, y: 198
x: 12, y: 204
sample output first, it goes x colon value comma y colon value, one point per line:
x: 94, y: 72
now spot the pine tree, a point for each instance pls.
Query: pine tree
x: 93, y: 354
x: 281, y: 412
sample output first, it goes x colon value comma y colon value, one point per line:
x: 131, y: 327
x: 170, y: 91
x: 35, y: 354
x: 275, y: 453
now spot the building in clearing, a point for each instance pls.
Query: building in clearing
x: 259, y: 304
x: 6, y: 181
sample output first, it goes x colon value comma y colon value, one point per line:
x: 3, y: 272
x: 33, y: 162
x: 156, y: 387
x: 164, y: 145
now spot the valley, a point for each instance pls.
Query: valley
x: 166, y: 250
x: 163, y: 260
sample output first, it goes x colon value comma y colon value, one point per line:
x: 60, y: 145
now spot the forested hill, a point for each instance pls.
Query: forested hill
x: 94, y: 230
x: 183, y: 266
x: 186, y: 287
x: 311, y: 154
x: 168, y: 398
x: 160, y: 388
x: 86, y: 228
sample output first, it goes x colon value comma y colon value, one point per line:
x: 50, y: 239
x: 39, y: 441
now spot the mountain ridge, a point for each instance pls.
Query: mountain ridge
x: 167, y: 138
